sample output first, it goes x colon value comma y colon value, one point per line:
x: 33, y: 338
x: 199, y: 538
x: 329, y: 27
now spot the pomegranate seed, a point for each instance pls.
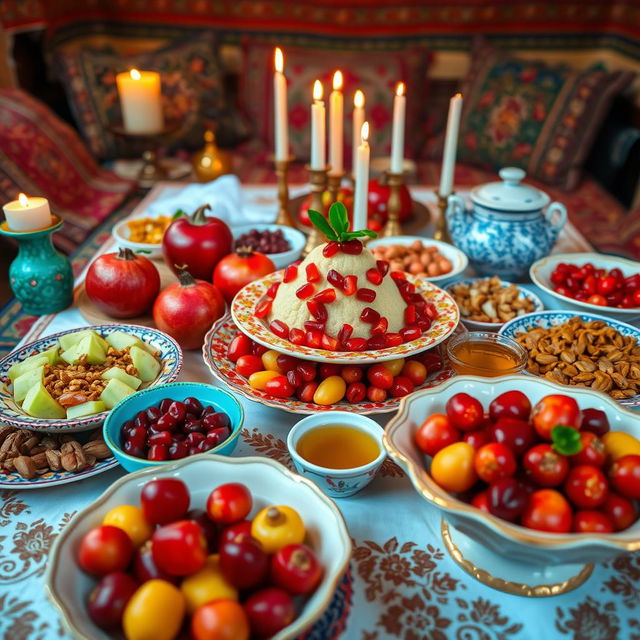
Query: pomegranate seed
x: 377, y: 342
x: 329, y: 343
x: 307, y: 370
x: 312, y: 325
x: 290, y: 273
x: 294, y: 378
x: 374, y: 276
x: 353, y: 247
x: 366, y: 295
x: 420, y: 305
x: 317, y: 310
x: 398, y: 276
x: 305, y: 291
x: 345, y: 333
x: 272, y: 290
x: 369, y: 315
x: 407, y: 289
x: 280, y: 329
x: 410, y: 314
x: 355, y: 344
x: 424, y: 324
x: 313, y: 275
x: 410, y: 333
x: 313, y: 339
x: 383, y: 267
x: 393, y: 339
x: 296, y: 336
x: 326, y: 296
x: 431, y: 311
x: 350, y: 285
x: 263, y: 308
x: 380, y: 327
x: 330, y: 249
x: 335, y: 278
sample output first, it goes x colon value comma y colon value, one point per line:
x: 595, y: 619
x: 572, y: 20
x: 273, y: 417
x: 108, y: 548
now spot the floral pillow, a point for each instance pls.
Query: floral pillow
x: 192, y: 92
x: 375, y: 73
x: 531, y: 115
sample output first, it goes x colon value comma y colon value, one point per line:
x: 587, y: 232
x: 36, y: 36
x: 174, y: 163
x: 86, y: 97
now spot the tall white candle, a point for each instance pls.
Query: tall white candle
x: 361, y: 174
x: 140, y: 99
x: 318, y: 125
x: 336, y: 125
x: 450, y: 145
x: 27, y: 214
x: 397, y: 132
x: 280, y: 107
x: 358, y: 120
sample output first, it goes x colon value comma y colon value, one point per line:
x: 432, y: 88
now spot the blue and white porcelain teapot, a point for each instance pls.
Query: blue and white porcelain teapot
x: 507, y: 229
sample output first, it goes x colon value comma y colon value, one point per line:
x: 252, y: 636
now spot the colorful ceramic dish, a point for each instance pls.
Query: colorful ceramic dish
x: 243, y: 313
x: 295, y: 238
x: 170, y: 356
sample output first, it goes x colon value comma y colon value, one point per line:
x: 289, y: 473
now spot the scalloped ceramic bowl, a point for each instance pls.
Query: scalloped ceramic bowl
x: 541, y: 271
x: 503, y: 547
x: 12, y: 414
x: 270, y: 483
x: 295, y: 238
x: 122, y: 234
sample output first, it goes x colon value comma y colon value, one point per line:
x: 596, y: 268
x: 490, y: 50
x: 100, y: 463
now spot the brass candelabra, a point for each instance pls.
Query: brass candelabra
x: 442, y: 228
x: 334, y: 181
x: 282, y: 172
x: 392, y: 227
x: 318, y: 180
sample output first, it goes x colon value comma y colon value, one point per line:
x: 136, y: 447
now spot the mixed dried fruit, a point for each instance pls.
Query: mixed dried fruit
x: 148, y: 230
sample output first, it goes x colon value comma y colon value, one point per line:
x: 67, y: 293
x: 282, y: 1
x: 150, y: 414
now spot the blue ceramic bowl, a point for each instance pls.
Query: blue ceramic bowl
x: 208, y: 395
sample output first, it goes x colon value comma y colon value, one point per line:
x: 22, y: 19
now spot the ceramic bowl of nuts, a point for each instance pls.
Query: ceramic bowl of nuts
x: 422, y: 257
x: 281, y: 243
x: 487, y: 303
x: 585, y: 350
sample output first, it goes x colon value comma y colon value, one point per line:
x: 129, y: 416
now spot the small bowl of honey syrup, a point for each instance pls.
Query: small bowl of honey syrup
x: 480, y: 353
x: 340, y: 451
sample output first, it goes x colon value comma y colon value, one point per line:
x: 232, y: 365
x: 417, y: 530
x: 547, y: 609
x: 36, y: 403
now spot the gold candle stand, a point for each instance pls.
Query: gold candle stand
x: 393, y: 228
x: 282, y: 171
x: 318, y: 180
x: 442, y: 228
x: 334, y: 181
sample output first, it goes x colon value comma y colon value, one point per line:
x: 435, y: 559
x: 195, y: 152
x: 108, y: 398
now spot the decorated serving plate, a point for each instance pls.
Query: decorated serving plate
x: 168, y: 349
x: 243, y: 313
x: 214, y: 351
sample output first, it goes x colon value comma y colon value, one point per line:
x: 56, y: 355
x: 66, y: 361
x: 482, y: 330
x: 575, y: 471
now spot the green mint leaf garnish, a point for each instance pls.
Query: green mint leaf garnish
x: 337, y: 226
x: 338, y: 218
x: 565, y: 440
x: 321, y: 223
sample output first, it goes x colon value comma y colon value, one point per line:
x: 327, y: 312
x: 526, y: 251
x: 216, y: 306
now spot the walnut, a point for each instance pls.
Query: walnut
x: 11, y: 446
x: 97, y: 448
x: 72, y: 456
x: 5, y: 431
x: 30, y: 443
x: 53, y: 459
x: 25, y: 467
x: 48, y: 443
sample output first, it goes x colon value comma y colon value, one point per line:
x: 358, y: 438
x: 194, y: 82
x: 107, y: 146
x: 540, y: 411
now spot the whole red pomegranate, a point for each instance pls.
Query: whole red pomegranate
x: 240, y: 268
x: 378, y: 199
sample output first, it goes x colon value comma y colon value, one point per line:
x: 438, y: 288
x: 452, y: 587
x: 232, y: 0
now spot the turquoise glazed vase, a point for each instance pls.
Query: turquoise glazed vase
x: 41, y: 277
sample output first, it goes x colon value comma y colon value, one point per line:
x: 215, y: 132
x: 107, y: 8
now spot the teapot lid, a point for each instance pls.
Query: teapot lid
x: 510, y: 194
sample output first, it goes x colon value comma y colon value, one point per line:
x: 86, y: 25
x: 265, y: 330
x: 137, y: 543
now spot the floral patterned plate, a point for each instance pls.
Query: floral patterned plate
x: 245, y: 302
x: 14, y: 480
x: 12, y: 414
x: 214, y: 351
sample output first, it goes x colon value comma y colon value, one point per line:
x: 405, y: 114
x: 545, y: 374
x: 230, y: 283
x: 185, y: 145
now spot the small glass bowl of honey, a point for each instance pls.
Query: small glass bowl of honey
x: 339, y: 450
x: 480, y: 353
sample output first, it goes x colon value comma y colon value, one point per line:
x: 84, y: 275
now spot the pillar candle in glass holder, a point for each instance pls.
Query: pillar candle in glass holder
x: 318, y: 132
x: 450, y: 146
x: 397, y: 131
x: 141, y: 101
x: 361, y: 177
x: 280, y: 108
x: 27, y: 214
x: 336, y: 125
x: 358, y: 120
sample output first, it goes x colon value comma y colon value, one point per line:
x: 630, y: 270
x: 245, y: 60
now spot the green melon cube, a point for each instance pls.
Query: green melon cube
x: 52, y: 354
x: 123, y: 376
x: 89, y: 346
x: 32, y: 362
x: 120, y: 340
x: 39, y: 404
x: 67, y: 341
x: 148, y: 367
x: 115, y: 391
x: 28, y: 379
x: 86, y: 409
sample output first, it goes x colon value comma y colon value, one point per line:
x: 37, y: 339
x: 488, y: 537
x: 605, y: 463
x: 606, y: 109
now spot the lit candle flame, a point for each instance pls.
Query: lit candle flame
x: 400, y: 89
x: 279, y: 60
x: 317, y: 90
x: 458, y: 95
x: 358, y: 99
x: 135, y: 74
x: 24, y: 201
x: 337, y: 81
x: 364, y: 132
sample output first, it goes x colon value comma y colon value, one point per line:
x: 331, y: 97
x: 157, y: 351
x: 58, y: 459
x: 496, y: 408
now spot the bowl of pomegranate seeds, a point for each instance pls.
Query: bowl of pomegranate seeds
x: 603, y: 284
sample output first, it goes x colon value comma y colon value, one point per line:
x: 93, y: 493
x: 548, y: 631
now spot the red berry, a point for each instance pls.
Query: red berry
x: 313, y: 275
x: 330, y: 249
x: 305, y: 291
x: 307, y: 370
x: 374, y: 276
x: 279, y: 328
x: 290, y: 273
x: 356, y: 392
x: 307, y: 392
x: 376, y: 394
x: 366, y: 295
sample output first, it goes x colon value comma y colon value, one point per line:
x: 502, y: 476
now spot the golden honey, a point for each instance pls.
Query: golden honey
x: 484, y: 354
x: 338, y: 447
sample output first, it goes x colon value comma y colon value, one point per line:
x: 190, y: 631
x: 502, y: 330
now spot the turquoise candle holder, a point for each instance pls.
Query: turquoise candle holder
x: 41, y: 277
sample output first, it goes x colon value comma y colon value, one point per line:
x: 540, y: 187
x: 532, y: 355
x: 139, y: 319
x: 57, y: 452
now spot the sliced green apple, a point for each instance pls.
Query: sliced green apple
x: 86, y: 409
x: 90, y: 346
x: 123, y: 376
x: 28, y: 379
x: 52, y: 354
x: 148, y: 367
x: 120, y: 340
x: 39, y: 404
x: 32, y: 362
x: 67, y: 341
x: 115, y: 391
